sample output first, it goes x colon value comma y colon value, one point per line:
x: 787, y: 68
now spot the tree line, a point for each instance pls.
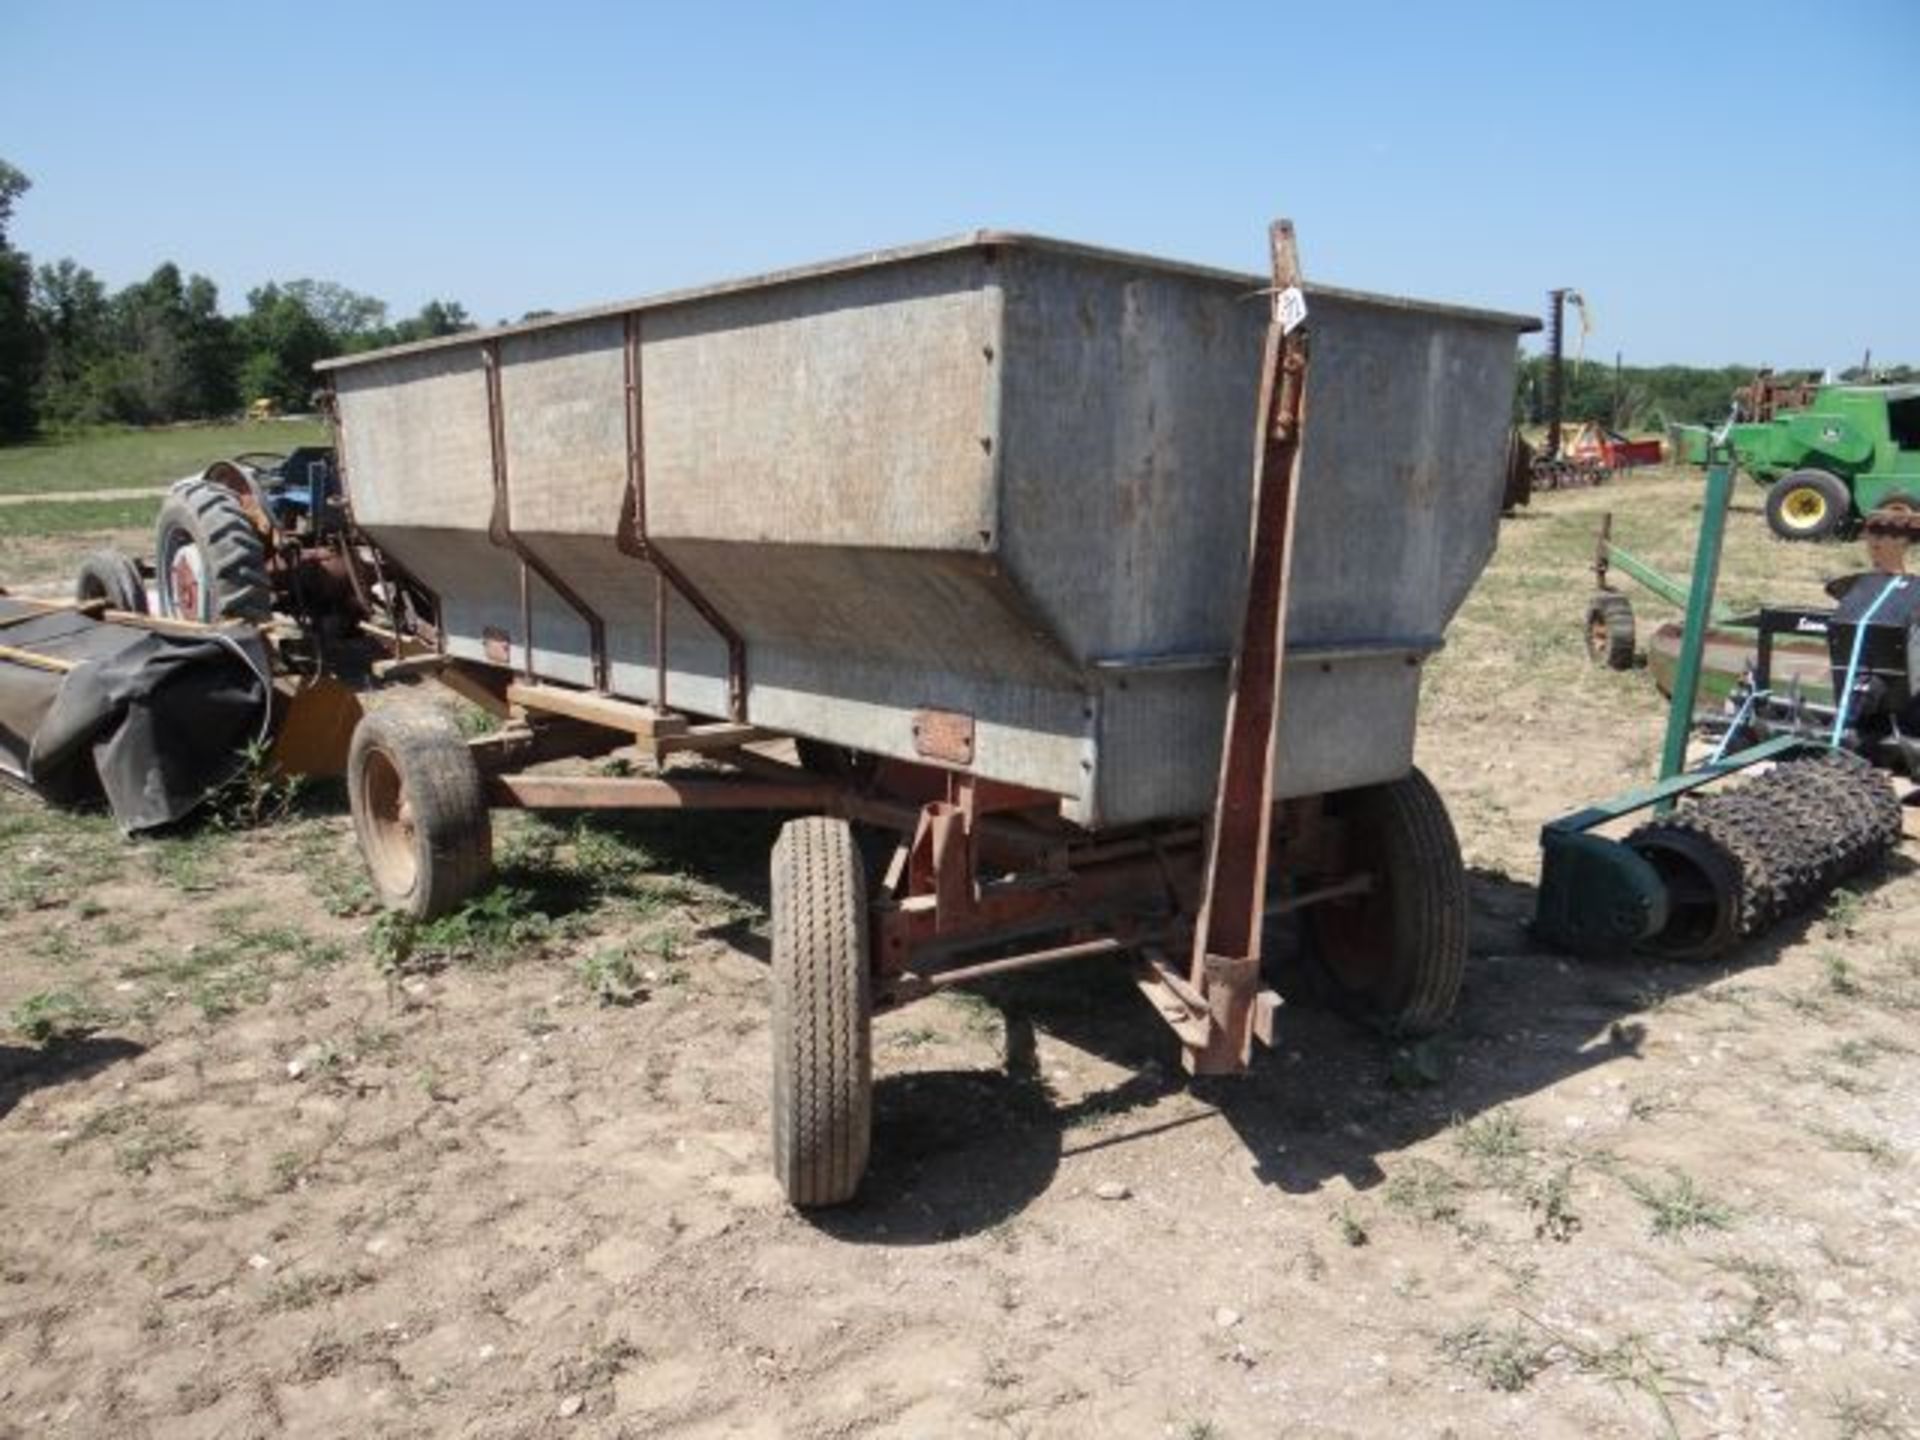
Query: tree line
x: 160, y: 350
x: 1651, y: 397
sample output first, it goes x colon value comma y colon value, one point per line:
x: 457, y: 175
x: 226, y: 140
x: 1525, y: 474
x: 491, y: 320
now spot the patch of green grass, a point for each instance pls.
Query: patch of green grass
x: 1496, y: 1142
x: 153, y: 1139
x: 194, y: 862
x: 1505, y: 1360
x: 1550, y: 1198
x: 1839, y: 972
x: 54, y: 857
x: 611, y: 976
x: 114, y: 458
x: 489, y: 931
x: 302, y: 1292
x: 1425, y: 1191
x: 1857, y: 1142
x: 1679, y: 1206
x: 76, y: 517
x: 54, y: 1015
x: 1772, y: 1288
x: 1865, y: 1417
x: 1842, y: 919
x: 1353, y: 1230
x: 232, y: 969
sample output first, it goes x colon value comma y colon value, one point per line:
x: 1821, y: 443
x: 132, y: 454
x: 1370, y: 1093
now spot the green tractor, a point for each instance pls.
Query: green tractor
x: 1855, y: 449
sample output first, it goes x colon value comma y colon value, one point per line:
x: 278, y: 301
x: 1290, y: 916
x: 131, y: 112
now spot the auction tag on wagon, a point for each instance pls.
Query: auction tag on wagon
x: 1291, y: 308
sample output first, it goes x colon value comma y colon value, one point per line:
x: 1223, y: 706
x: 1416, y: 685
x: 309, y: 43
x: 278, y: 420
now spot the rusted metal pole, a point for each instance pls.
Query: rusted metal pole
x: 1226, y: 951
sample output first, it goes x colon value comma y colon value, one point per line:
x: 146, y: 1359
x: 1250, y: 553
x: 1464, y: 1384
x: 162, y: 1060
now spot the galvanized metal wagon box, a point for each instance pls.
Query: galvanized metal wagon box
x: 970, y: 520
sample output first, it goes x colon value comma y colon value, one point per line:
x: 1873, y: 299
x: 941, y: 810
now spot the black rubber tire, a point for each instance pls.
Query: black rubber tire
x: 110, y: 576
x: 822, y: 1013
x: 1801, y: 487
x: 1610, y: 637
x: 233, y: 554
x: 419, y: 810
x: 1394, y: 957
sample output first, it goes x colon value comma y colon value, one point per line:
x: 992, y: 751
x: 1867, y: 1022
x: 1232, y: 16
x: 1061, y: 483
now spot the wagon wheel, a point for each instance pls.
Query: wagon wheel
x: 1808, y: 505
x: 419, y: 810
x: 1610, y: 630
x: 212, y: 562
x: 1393, y: 957
x: 822, y: 1013
x: 110, y: 576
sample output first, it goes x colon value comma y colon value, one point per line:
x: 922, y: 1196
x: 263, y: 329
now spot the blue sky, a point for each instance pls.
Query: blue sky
x: 1726, y: 182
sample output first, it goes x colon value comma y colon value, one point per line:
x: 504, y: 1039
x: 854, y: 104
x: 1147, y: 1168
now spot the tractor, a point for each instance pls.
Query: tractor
x: 1856, y: 449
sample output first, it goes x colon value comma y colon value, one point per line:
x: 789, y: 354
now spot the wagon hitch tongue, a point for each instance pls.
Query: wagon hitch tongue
x: 1224, y: 1008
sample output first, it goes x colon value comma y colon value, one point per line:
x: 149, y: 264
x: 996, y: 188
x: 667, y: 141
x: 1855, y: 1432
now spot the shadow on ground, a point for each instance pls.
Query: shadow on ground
x: 24, y: 1070
x: 958, y: 1152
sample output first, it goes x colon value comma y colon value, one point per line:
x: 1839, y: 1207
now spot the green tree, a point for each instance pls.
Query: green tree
x: 280, y: 338
x: 19, y: 341
x: 75, y: 320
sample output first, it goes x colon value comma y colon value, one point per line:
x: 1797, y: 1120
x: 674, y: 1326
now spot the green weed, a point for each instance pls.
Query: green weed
x: 1425, y: 1191
x: 1505, y: 1360
x: 54, y: 1015
x: 1679, y: 1206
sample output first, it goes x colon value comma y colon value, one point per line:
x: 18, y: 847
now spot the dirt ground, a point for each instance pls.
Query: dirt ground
x: 266, y: 1171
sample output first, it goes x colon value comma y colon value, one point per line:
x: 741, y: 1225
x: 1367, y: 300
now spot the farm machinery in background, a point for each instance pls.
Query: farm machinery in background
x: 1594, y: 452
x: 1812, y: 805
x: 239, y: 642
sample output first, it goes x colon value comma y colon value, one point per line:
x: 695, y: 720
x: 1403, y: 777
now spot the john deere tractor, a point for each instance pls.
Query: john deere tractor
x: 1855, y: 449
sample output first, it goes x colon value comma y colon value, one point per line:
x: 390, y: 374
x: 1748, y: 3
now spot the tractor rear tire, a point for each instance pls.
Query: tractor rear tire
x: 419, y: 810
x: 110, y: 576
x: 1610, y: 637
x: 1809, y: 505
x: 822, y: 1013
x: 1394, y: 956
x: 211, y: 562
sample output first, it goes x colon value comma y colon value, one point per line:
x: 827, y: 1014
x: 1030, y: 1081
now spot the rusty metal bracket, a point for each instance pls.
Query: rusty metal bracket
x: 1225, y: 967
x: 500, y: 532
x: 632, y: 538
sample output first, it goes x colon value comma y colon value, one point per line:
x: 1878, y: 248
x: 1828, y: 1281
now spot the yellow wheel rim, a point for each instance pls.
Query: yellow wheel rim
x: 1805, y: 507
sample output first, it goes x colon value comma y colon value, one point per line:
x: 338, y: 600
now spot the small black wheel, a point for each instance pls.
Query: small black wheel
x: 419, y: 810
x: 211, y: 562
x: 1610, y: 630
x: 822, y: 1013
x: 110, y: 576
x: 1393, y: 957
x: 1808, y: 505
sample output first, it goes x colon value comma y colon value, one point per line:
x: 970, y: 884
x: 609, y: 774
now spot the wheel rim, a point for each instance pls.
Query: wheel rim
x: 1804, y: 507
x: 186, y: 572
x: 1599, y: 637
x: 390, y: 835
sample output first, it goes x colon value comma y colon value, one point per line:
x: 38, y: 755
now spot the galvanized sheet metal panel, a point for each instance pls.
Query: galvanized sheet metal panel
x: 971, y: 478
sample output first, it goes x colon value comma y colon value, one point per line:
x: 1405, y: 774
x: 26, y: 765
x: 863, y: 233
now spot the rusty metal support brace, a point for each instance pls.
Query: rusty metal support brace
x: 633, y: 538
x: 1225, y: 968
x: 500, y: 531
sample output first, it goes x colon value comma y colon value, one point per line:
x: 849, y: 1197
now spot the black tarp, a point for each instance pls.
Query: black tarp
x: 154, y: 721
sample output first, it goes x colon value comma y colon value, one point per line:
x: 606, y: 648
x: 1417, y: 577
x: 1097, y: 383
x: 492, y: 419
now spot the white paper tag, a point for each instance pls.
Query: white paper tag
x: 1291, y: 306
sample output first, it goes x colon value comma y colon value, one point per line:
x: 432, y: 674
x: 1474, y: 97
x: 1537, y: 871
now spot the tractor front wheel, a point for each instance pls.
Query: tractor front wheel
x: 419, y: 810
x: 1393, y: 956
x: 1808, y: 505
x: 110, y: 576
x: 822, y: 1013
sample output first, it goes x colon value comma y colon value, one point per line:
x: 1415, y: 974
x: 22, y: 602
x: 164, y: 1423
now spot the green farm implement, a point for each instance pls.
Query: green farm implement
x: 1826, y: 458
x: 1717, y: 863
x: 1799, y: 659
